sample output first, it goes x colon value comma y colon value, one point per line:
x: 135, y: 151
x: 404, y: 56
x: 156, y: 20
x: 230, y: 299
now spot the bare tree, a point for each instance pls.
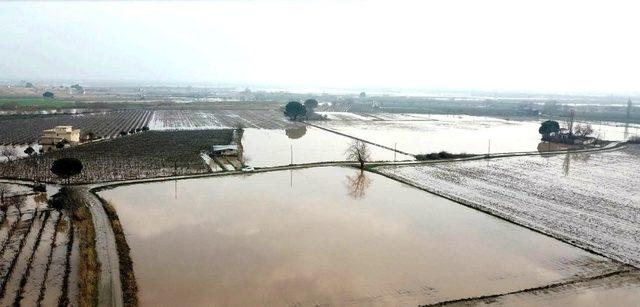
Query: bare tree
x: 4, y: 192
x: 358, y: 151
x: 238, y: 129
x: 357, y: 185
x: 583, y: 130
x: 4, y: 204
x: 17, y: 201
x: 9, y: 153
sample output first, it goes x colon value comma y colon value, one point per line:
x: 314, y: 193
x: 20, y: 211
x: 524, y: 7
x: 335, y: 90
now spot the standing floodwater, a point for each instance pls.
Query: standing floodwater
x: 324, y: 236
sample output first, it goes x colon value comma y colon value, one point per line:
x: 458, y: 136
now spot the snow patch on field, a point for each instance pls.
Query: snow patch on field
x: 345, y: 116
x: 217, y: 119
x: 589, y: 199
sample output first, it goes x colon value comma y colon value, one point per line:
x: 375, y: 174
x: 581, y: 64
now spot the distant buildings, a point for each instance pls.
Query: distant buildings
x: 60, y: 134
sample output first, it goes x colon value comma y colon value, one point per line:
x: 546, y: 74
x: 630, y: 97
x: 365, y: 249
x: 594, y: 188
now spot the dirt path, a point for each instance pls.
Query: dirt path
x: 109, y: 288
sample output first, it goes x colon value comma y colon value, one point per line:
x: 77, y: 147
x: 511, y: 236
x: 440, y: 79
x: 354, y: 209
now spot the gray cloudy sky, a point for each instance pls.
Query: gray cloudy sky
x: 490, y: 45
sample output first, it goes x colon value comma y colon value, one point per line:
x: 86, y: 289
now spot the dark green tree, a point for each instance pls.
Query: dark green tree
x: 294, y: 109
x: 66, y: 168
x: 548, y: 127
x: 29, y: 151
x: 310, y: 104
x: 48, y: 95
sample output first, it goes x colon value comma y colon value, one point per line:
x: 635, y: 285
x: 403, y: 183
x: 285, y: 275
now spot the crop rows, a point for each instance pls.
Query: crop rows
x: 589, y: 199
x: 102, y: 125
x: 216, y: 119
x: 32, y: 258
x: 144, y: 155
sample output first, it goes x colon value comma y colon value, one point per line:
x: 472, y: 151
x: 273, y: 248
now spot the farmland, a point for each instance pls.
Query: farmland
x: 426, y: 133
x: 39, y: 254
x: 34, y: 102
x: 274, y: 147
x: 216, y: 119
x: 142, y: 155
x: 242, y: 241
x: 589, y: 199
x: 103, y: 125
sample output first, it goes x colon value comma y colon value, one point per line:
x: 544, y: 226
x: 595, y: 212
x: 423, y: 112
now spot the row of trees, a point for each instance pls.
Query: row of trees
x: 7, y: 201
x: 550, y: 127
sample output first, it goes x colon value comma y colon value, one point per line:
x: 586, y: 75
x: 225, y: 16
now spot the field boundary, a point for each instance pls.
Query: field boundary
x: 545, y: 287
x: 127, y: 273
x: 359, y: 139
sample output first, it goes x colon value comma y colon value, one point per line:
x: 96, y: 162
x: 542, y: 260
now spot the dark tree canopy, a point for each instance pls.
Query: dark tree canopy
x: 549, y: 127
x: 293, y: 109
x: 363, y: 94
x: 47, y: 95
x: 66, y: 167
x: 77, y: 87
x: 29, y: 151
x: 310, y: 104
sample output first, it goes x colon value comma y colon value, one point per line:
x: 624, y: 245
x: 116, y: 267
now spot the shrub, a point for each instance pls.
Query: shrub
x: 39, y: 187
x: 441, y: 155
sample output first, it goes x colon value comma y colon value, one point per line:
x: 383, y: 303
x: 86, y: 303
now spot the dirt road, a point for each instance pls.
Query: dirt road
x: 109, y: 288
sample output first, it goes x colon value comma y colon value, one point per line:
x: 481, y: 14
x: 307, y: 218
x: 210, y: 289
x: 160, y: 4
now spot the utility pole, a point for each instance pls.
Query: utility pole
x: 395, y: 148
x: 489, y: 150
x: 291, y: 155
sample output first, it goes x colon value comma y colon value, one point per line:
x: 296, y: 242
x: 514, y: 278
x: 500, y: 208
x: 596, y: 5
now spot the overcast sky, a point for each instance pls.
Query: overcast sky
x: 486, y: 45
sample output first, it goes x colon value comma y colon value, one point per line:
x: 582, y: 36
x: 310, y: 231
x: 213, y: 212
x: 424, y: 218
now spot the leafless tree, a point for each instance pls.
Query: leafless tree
x: 358, y: 151
x: 9, y: 153
x: 239, y: 131
x: 583, y: 130
x: 17, y: 201
x: 357, y: 185
x: 4, y: 205
x: 4, y: 192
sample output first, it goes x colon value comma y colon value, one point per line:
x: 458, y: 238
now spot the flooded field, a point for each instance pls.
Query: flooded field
x: 618, y: 290
x: 424, y: 133
x: 33, y: 252
x: 327, y: 236
x: 589, y: 198
x: 264, y: 147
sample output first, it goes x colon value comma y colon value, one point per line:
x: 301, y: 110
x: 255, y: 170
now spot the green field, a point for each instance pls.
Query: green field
x: 35, y: 102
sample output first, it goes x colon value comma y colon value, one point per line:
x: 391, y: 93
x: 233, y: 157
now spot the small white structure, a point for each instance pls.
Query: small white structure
x: 51, y: 137
x: 224, y: 150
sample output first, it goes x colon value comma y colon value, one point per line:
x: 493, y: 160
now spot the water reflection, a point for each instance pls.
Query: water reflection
x: 253, y: 241
x: 297, y: 132
x: 566, y: 164
x: 546, y: 149
x: 358, y: 184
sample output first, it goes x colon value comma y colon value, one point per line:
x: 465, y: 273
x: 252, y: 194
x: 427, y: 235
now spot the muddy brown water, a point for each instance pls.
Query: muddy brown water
x: 325, y: 236
x: 264, y: 147
x: 617, y: 290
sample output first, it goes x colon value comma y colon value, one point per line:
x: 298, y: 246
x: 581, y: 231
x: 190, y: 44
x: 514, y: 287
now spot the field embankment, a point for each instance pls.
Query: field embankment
x: 127, y: 275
